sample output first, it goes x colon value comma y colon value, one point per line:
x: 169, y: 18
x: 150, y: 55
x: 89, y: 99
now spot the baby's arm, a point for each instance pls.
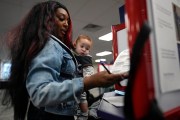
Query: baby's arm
x: 87, y: 71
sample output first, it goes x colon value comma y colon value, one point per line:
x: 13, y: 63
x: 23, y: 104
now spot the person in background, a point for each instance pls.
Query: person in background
x: 43, y: 83
x: 81, y: 50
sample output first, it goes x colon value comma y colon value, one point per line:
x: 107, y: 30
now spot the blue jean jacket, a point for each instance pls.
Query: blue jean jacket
x: 52, y: 82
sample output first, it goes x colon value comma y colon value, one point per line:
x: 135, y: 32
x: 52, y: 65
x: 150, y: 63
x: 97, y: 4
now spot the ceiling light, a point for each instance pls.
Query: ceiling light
x: 103, y: 53
x: 98, y: 60
x: 106, y: 37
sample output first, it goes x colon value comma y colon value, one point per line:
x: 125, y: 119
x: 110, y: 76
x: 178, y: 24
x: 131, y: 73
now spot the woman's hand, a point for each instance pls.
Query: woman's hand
x: 102, y: 79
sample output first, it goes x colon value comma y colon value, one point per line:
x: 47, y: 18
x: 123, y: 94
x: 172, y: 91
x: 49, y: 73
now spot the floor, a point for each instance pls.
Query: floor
x: 5, y: 113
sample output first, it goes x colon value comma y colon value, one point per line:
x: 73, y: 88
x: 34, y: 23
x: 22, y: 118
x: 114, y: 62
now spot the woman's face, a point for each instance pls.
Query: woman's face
x: 61, y: 23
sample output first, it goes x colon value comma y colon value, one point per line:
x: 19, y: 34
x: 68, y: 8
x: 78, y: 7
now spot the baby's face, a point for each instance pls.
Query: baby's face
x: 83, y: 47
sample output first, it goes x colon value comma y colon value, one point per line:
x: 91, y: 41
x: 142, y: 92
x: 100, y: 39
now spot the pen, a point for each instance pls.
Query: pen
x: 105, y: 67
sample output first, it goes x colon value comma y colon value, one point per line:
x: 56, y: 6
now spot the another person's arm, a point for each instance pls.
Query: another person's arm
x: 102, y: 79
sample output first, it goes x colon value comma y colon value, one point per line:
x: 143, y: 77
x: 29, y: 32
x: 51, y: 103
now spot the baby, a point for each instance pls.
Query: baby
x: 82, y: 46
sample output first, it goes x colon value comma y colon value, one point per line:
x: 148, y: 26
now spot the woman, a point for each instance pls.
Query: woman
x: 43, y: 68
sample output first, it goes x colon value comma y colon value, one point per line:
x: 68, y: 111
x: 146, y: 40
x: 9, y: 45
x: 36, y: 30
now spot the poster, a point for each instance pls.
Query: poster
x: 166, y: 18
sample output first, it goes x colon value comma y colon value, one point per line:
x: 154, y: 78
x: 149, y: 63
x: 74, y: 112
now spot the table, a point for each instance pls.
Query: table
x: 108, y: 111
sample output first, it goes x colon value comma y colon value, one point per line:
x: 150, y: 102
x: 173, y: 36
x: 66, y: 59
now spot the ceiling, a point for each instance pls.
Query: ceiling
x: 102, y: 13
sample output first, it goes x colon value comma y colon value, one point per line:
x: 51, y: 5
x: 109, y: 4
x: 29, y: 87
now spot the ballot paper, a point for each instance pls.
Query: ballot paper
x: 122, y: 63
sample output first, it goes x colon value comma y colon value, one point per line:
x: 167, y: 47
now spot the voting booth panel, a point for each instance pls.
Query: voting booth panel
x: 157, y: 75
x: 119, y: 43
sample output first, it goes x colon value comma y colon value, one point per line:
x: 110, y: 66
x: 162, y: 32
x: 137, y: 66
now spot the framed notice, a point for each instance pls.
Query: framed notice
x: 165, y: 45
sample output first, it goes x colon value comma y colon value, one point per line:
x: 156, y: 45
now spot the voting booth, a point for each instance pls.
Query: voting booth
x: 5, y: 66
x: 153, y: 39
x: 157, y: 77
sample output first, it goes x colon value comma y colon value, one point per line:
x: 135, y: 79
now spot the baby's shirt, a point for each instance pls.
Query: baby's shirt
x: 85, y: 65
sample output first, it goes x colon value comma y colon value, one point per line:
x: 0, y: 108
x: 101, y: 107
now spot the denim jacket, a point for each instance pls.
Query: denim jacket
x: 51, y: 81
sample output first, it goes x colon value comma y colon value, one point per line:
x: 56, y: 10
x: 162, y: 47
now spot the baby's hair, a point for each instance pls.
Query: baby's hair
x: 83, y: 37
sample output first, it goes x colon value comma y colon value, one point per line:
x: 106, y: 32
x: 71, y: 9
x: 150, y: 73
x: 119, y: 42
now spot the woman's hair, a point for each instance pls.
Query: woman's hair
x: 25, y: 41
